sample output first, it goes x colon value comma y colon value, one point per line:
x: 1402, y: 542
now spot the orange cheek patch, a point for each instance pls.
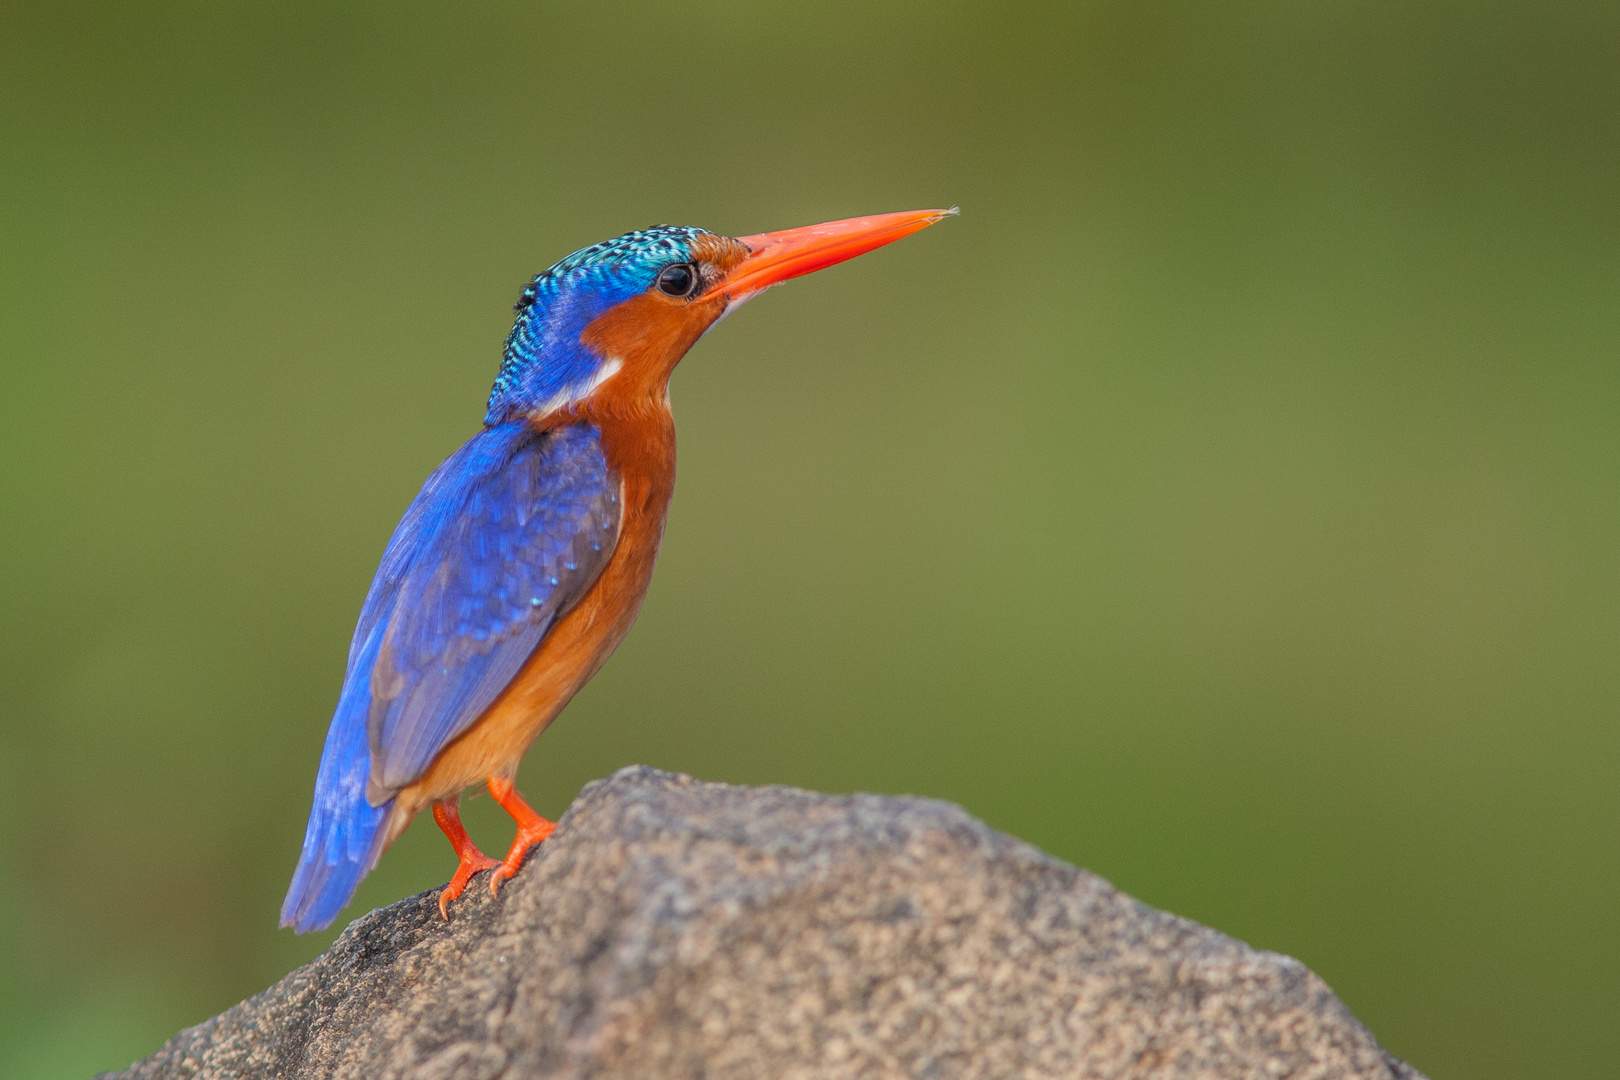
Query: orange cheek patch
x: 648, y: 335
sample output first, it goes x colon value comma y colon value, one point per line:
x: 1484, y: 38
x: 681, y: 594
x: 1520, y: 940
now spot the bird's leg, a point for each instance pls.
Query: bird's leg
x: 532, y: 828
x: 448, y: 816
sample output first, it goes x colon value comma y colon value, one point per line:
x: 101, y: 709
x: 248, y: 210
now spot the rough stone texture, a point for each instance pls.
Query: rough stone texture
x: 678, y: 929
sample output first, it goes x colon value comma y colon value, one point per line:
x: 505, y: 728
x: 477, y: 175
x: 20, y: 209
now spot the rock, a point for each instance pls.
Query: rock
x: 678, y: 929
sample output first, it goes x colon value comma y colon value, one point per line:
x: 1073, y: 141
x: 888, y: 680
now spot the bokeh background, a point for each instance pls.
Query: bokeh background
x: 1226, y: 502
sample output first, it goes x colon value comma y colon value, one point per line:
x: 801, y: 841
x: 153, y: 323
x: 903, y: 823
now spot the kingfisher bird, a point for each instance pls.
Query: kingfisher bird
x: 523, y: 561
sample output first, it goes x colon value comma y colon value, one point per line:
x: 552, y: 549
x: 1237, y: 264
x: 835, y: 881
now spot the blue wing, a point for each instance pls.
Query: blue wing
x: 504, y: 538
x: 529, y: 538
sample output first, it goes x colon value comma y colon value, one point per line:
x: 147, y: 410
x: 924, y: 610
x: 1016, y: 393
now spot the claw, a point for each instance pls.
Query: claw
x: 532, y: 829
x: 468, y: 858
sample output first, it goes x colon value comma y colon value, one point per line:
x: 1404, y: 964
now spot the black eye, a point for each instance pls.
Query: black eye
x: 678, y: 280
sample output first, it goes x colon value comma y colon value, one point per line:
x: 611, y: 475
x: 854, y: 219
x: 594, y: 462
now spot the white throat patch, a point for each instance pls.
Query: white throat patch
x: 573, y: 395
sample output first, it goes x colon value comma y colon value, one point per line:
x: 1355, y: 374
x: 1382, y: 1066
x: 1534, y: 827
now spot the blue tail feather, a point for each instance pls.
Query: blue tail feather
x: 345, y: 833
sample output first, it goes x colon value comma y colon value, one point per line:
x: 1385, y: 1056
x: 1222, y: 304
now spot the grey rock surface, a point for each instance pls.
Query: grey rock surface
x: 679, y: 929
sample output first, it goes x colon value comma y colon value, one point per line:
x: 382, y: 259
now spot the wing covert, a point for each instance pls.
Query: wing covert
x: 509, y: 533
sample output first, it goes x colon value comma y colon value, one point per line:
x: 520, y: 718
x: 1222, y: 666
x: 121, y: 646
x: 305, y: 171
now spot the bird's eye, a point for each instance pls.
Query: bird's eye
x: 679, y: 279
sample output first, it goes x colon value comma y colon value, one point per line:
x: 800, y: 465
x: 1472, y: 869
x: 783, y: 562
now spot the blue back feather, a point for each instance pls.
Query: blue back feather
x: 493, y: 573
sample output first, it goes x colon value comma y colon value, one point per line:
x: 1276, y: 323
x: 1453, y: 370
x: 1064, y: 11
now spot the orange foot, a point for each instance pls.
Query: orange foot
x: 532, y: 829
x: 470, y: 860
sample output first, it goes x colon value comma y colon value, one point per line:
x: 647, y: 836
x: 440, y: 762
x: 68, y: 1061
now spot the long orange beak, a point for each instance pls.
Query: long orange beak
x: 791, y: 253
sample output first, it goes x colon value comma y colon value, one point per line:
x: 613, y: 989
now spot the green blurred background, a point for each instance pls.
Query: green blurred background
x: 1226, y: 502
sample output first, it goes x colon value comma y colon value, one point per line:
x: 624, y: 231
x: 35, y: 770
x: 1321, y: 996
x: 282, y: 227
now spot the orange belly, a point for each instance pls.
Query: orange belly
x: 642, y: 452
